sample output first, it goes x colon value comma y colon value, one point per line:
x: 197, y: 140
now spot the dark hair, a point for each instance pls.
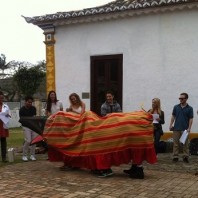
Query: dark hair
x: 185, y: 94
x: 49, y: 101
x: 1, y: 93
x: 109, y: 92
x: 28, y: 98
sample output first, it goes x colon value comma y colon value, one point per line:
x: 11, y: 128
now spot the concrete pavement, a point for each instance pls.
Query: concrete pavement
x: 43, y: 179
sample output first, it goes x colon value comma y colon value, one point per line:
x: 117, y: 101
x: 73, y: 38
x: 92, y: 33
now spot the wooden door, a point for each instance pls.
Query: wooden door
x: 106, y: 74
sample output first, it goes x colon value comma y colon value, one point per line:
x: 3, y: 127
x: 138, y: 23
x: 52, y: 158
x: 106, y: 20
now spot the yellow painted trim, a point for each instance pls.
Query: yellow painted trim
x: 50, y: 68
x: 50, y: 60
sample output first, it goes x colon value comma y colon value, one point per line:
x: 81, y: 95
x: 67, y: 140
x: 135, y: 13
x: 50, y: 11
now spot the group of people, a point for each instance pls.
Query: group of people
x: 182, y: 119
x: 53, y: 105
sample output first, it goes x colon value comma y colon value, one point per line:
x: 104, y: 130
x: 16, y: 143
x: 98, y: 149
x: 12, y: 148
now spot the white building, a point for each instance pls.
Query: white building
x: 141, y: 49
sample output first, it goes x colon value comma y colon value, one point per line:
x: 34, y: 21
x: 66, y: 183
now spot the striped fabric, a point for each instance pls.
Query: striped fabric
x: 88, y: 135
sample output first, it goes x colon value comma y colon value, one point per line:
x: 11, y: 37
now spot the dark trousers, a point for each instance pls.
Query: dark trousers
x: 3, y: 147
x: 157, y: 136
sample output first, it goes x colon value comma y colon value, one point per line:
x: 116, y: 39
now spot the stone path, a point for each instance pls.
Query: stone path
x: 43, y: 179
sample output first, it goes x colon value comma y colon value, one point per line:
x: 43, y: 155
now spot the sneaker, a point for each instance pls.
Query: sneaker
x: 102, y: 174
x: 24, y: 158
x: 105, y: 173
x: 32, y: 158
x: 109, y: 172
x: 185, y: 160
x: 175, y: 159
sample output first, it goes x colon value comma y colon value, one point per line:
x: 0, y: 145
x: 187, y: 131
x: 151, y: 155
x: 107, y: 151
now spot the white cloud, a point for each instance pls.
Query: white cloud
x: 21, y: 41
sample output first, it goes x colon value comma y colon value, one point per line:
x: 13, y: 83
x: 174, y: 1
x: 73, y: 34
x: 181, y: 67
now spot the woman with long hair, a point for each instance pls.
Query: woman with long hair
x: 78, y: 107
x: 53, y: 105
x: 76, y: 104
x: 158, y: 120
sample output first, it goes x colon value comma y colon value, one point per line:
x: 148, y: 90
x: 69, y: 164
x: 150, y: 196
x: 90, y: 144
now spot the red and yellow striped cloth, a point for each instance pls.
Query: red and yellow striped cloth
x: 92, y: 141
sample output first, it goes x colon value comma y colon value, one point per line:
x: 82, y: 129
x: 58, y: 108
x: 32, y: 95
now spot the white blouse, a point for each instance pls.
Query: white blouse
x: 56, y: 107
x: 78, y: 110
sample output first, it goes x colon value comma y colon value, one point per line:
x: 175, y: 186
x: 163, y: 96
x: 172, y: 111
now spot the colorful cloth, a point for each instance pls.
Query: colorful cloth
x: 95, y: 142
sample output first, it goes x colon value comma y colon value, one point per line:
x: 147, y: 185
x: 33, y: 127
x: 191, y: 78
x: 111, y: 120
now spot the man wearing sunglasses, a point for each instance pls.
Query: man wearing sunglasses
x: 182, y: 118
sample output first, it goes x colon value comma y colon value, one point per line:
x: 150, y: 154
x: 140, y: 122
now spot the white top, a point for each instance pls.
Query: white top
x: 155, y: 117
x: 78, y: 110
x: 3, y: 115
x: 56, y: 107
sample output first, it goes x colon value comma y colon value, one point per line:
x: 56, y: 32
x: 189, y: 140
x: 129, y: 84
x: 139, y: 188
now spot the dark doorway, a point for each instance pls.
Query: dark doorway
x: 106, y: 74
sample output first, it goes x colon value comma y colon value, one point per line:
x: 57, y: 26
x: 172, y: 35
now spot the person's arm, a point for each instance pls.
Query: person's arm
x: 34, y: 110
x: 47, y: 113
x: 118, y: 108
x: 83, y: 108
x: 103, y: 110
x: 190, y: 125
x: 61, y: 106
x: 161, y: 118
x: 69, y: 109
x: 21, y: 112
x: 171, y: 122
x: 190, y: 120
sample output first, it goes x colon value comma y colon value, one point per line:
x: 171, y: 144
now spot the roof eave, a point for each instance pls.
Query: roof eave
x: 108, y: 16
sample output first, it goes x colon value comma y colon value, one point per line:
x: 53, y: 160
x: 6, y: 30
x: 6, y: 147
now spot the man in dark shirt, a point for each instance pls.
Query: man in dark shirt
x: 182, y: 117
x: 28, y: 111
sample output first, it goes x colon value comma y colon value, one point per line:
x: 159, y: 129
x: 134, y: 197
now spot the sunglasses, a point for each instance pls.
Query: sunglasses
x: 182, y: 98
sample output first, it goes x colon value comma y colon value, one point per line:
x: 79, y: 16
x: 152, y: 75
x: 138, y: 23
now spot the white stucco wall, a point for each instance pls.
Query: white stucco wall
x: 159, y: 58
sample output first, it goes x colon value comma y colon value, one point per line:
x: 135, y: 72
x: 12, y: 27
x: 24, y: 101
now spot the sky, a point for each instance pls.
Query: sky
x: 22, y: 41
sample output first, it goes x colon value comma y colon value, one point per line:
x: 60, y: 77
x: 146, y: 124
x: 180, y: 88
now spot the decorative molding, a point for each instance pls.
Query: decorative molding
x: 123, y: 14
x: 112, y: 10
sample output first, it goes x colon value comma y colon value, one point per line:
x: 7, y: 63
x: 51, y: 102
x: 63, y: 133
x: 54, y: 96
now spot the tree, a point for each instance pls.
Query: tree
x: 3, y: 66
x: 28, y: 80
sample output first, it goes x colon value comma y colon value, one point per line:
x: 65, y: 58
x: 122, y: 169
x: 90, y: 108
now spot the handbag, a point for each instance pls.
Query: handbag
x: 172, y: 128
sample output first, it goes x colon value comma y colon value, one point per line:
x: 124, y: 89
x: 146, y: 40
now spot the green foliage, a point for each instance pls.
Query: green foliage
x: 28, y: 80
x: 16, y: 138
x: 3, y: 65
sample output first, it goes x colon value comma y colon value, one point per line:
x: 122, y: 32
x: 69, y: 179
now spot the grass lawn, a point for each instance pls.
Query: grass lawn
x: 15, y: 140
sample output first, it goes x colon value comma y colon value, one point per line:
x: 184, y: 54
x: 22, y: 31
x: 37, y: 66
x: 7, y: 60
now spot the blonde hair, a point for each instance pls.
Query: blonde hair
x: 157, y: 106
x: 78, y: 100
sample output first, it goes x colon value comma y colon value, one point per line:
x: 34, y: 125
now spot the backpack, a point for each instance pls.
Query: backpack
x: 193, y: 148
x: 162, y: 147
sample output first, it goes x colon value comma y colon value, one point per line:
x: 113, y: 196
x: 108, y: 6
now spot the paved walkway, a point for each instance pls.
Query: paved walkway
x: 43, y: 179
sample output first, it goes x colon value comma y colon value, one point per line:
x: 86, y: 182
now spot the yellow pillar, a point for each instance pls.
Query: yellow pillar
x: 50, y: 60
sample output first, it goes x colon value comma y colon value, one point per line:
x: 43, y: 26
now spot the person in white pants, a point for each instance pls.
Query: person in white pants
x: 29, y: 135
x: 28, y: 111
